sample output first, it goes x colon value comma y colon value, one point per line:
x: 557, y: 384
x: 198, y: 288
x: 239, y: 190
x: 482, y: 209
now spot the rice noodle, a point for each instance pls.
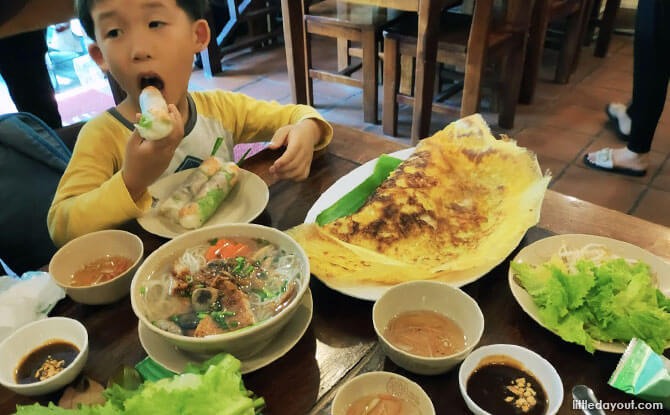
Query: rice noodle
x: 596, y: 253
x: 159, y: 302
x: 286, y: 269
x: 194, y: 258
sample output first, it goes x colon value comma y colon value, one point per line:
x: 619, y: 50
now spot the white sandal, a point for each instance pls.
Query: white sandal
x: 603, y: 161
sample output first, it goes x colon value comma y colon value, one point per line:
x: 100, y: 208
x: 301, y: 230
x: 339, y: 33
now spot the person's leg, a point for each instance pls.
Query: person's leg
x: 651, y: 69
x: 24, y: 70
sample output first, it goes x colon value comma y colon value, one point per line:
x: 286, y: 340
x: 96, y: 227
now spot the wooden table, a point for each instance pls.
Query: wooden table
x: 340, y: 341
x: 293, y: 12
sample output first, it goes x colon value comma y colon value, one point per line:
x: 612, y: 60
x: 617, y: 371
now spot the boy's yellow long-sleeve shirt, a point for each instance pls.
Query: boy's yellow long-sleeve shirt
x: 92, y: 195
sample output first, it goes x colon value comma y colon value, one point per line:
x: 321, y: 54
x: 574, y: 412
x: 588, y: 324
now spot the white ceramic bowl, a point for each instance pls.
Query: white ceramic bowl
x: 373, y: 383
x: 34, y: 335
x: 431, y: 296
x: 87, y: 248
x: 532, y: 362
x: 241, y: 343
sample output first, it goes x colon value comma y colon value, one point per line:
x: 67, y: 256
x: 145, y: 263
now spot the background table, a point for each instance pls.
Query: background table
x: 340, y: 342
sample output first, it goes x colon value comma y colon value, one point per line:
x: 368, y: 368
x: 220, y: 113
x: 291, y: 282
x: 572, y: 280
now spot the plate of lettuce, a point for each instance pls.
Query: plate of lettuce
x: 594, y: 291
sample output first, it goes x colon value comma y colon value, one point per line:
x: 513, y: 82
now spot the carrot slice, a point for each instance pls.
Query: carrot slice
x: 224, y: 249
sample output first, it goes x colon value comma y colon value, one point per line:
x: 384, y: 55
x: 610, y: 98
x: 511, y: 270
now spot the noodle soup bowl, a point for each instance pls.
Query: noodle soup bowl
x: 241, y: 343
x: 432, y: 296
x: 88, y: 248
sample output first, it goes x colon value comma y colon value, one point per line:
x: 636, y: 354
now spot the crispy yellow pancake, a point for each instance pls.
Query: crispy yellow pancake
x: 452, y: 211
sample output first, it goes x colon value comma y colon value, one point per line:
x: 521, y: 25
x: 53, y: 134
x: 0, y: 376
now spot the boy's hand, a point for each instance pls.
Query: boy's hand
x: 147, y: 160
x: 300, y: 140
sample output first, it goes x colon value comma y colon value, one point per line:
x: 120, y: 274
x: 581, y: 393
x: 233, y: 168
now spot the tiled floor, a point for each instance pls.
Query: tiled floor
x: 564, y: 122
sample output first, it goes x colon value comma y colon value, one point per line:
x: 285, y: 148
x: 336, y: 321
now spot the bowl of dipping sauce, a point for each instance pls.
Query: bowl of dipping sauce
x: 505, y: 379
x: 427, y: 327
x: 43, y: 356
x: 97, y: 268
x: 379, y: 393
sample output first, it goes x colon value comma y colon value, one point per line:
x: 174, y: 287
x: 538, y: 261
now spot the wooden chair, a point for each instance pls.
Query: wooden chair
x: 575, y: 13
x: 605, y: 25
x: 349, y: 23
x: 467, y: 44
x: 261, y: 30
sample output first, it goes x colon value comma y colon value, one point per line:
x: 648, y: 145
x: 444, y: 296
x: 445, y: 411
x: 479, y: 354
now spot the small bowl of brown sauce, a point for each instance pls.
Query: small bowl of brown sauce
x: 505, y: 379
x: 427, y: 327
x: 97, y: 268
x: 43, y: 356
x: 381, y: 393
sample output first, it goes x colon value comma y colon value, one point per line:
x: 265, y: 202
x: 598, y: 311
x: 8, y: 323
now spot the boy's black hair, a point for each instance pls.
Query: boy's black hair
x: 195, y: 9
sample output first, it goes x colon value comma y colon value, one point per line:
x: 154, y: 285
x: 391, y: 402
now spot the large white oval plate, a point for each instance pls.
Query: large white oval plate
x: 541, y: 251
x: 246, y: 201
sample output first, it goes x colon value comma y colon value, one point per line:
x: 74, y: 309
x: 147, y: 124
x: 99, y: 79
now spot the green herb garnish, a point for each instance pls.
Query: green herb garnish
x: 217, y: 144
x: 220, y: 319
x: 261, y: 242
x: 244, y: 156
x: 241, y: 262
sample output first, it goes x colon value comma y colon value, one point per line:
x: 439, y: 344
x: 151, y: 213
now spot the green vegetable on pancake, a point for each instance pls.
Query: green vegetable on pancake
x: 607, y: 299
x: 214, y: 387
x: 352, y: 201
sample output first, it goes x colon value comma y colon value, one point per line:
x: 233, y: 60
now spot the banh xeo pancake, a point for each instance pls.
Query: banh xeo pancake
x: 450, y: 212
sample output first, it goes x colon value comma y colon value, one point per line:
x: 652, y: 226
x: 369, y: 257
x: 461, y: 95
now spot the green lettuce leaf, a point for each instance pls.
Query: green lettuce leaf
x: 615, y: 301
x: 37, y: 409
x: 215, y: 389
x: 144, y: 122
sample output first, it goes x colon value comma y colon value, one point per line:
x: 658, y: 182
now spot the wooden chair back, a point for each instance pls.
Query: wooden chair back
x: 347, y: 22
x: 498, y: 30
x: 262, y: 31
x: 575, y: 13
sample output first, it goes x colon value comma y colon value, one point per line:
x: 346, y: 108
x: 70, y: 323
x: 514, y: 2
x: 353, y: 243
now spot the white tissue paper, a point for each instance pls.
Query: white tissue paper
x: 25, y: 299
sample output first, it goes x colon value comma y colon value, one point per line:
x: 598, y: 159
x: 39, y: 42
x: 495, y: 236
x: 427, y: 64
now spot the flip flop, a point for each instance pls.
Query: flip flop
x: 604, y: 162
x: 615, y: 124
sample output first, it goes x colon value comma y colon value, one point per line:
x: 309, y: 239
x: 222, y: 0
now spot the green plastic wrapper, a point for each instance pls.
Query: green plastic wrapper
x: 355, y: 199
x: 643, y: 373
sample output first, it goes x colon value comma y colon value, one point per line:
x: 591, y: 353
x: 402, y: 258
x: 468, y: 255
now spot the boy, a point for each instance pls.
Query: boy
x: 152, y: 42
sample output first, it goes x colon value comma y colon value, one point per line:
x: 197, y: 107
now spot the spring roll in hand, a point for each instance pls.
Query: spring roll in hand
x: 210, y: 197
x: 155, y: 122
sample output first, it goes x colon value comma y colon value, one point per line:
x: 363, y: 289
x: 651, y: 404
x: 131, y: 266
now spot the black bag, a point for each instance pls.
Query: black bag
x: 32, y: 161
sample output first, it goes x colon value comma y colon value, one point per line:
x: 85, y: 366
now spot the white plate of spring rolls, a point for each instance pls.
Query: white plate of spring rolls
x: 216, y: 192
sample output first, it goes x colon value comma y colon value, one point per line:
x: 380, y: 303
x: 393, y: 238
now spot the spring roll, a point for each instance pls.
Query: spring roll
x: 210, y: 197
x: 155, y: 122
x: 211, y: 165
x: 189, y: 189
